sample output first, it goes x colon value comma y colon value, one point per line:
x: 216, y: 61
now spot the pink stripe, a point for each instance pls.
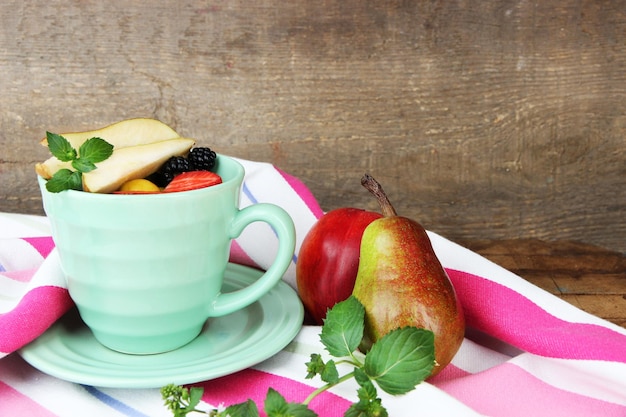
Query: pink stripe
x: 24, y: 275
x: 253, y: 384
x: 509, y: 316
x: 239, y: 256
x: 449, y: 373
x: 44, y: 245
x: 509, y: 391
x: 39, y: 308
x: 15, y: 403
x: 304, y: 193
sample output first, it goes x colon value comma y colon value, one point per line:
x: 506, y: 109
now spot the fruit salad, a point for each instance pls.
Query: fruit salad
x: 135, y: 156
x: 178, y: 173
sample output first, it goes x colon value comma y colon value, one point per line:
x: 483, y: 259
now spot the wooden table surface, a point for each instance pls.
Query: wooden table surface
x: 494, y: 122
x: 589, y: 277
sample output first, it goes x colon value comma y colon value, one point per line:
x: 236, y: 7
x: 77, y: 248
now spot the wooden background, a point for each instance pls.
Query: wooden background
x: 491, y: 119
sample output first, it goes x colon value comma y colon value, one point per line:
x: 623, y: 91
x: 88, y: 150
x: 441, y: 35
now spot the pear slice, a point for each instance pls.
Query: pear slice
x: 122, y: 134
x: 133, y: 162
x: 129, y: 132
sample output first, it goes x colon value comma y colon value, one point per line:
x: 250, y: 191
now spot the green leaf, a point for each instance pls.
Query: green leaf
x: 91, y: 151
x: 95, y: 150
x: 195, y: 395
x: 180, y: 400
x: 367, y: 409
x: 315, y: 366
x: 247, y: 409
x: 60, y: 147
x: 367, y: 390
x: 327, y: 371
x: 64, y: 179
x: 277, y: 406
x: 343, y: 327
x: 401, y: 359
x: 83, y: 165
x: 369, y: 404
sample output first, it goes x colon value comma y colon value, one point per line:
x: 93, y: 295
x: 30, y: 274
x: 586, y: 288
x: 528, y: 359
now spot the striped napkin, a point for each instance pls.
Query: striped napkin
x: 526, y: 352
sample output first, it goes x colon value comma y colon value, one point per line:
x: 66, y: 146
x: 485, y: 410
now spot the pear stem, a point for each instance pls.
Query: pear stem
x: 375, y: 188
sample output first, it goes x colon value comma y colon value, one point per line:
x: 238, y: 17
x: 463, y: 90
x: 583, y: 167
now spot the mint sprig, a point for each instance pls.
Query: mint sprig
x: 397, y: 363
x: 91, y: 152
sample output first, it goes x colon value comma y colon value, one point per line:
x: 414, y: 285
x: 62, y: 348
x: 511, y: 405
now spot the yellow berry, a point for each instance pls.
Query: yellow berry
x: 139, y: 185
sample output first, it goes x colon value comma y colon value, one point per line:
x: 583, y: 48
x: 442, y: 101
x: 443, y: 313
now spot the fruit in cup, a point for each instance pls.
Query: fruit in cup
x: 198, y: 159
x: 329, y: 258
x: 126, y: 133
x: 401, y: 282
x: 126, y: 158
x: 132, y: 162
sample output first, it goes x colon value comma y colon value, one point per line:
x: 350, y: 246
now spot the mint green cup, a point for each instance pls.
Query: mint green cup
x: 146, y: 271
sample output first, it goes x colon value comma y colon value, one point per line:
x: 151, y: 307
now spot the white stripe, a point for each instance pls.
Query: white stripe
x: 48, y: 274
x: 11, y: 294
x: 67, y: 399
x: 17, y: 254
x: 147, y: 401
x: 23, y: 225
x: 602, y: 380
x: 60, y: 397
x: 474, y: 358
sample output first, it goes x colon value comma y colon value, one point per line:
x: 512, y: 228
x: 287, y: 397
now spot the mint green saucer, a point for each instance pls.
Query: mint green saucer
x: 226, y: 345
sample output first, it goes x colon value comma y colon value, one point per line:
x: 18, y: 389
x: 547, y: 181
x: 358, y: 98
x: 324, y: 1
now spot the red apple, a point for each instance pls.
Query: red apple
x: 329, y: 259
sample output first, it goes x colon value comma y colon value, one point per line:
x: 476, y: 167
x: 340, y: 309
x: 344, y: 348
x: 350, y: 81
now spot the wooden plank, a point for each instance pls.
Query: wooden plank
x: 589, y: 277
x: 500, y: 121
x: 609, y: 307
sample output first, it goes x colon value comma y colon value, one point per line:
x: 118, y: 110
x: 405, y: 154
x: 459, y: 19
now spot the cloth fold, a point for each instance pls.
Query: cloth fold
x: 526, y: 352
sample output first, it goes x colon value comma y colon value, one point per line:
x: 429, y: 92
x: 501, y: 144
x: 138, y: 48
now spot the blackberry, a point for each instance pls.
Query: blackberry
x: 159, y: 179
x: 202, y: 159
x: 172, y: 167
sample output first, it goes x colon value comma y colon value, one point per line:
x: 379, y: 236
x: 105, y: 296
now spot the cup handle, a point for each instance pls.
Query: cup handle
x: 283, y: 226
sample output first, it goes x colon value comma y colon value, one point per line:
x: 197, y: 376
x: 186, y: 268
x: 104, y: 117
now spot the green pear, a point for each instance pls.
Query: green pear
x: 401, y: 282
x: 130, y: 132
x: 133, y: 162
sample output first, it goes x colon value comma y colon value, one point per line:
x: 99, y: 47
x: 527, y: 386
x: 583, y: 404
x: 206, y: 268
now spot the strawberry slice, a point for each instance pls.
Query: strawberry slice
x: 192, y: 180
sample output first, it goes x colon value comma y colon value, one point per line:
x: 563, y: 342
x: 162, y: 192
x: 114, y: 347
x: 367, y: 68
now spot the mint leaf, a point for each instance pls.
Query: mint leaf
x: 92, y: 151
x: 369, y: 404
x: 247, y: 409
x: 60, y: 147
x: 368, y: 391
x: 64, y: 179
x: 83, y: 165
x: 315, y: 366
x: 180, y: 400
x: 401, y: 359
x: 343, y: 327
x: 329, y: 374
x: 327, y: 371
x: 195, y: 395
x: 362, y: 408
x: 276, y: 406
x: 95, y: 150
